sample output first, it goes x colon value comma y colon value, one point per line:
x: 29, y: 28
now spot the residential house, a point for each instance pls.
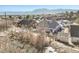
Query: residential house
x: 51, y: 26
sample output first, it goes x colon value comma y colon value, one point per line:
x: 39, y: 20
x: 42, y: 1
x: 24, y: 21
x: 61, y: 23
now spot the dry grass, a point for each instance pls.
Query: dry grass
x: 30, y: 42
x: 4, y: 25
x: 36, y: 40
x: 19, y: 41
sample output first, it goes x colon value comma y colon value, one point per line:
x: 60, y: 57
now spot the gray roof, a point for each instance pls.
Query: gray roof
x: 52, y: 24
x: 26, y: 22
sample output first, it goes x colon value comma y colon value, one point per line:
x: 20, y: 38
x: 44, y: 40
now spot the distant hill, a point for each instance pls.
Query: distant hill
x: 39, y: 11
x: 47, y: 11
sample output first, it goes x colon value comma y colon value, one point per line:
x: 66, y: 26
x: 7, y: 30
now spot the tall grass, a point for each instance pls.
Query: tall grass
x: 5, y: 24
x: 36, y: 40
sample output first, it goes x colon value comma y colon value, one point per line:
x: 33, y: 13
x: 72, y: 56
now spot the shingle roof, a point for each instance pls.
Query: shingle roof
x: 52, y: 24
x: 26, y: 22
x: 49, y: 23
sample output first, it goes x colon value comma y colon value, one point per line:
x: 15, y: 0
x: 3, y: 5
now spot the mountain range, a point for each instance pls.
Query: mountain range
x: 39, y: 11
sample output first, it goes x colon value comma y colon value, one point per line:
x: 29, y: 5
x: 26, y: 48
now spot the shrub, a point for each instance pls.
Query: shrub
x: 36, y: 40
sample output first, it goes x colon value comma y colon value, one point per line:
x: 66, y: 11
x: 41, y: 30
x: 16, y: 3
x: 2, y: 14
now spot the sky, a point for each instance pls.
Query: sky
x: 5, y: 8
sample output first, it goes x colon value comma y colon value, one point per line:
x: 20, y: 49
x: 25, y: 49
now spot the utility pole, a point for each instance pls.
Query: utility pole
x: 5, y: 15
x: 5, y: 20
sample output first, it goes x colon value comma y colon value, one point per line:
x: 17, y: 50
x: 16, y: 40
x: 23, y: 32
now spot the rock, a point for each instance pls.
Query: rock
x: 49, y: 50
